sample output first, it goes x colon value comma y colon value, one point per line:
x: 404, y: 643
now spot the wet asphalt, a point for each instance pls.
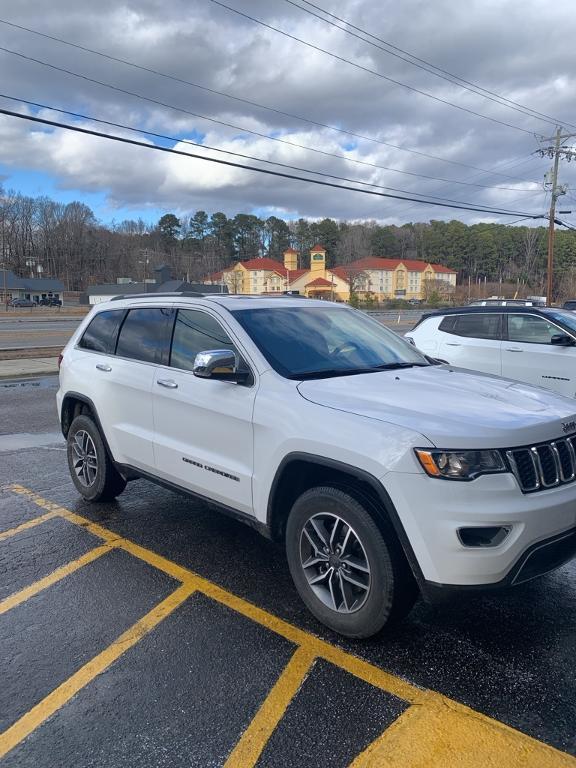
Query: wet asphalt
x: 510, y: 656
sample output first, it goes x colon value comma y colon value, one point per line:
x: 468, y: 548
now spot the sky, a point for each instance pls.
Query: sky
x: 333, y: 111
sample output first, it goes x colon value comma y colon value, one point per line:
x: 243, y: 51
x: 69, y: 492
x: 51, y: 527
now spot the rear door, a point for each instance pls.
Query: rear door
x: 125, y: 381
x: 203, y: 429
x: 472, y: 340
x: 529, y: 355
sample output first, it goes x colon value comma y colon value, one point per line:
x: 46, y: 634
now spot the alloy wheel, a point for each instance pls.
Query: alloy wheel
x: 335, y: 563
x: 85, y: 460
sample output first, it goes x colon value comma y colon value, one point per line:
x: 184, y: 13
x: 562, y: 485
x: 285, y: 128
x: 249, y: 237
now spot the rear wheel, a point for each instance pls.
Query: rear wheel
x: 352, y: 578
x: 91, y: 468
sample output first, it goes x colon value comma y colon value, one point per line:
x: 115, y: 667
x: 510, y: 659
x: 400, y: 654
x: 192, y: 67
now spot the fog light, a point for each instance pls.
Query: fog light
x: 490, y: 536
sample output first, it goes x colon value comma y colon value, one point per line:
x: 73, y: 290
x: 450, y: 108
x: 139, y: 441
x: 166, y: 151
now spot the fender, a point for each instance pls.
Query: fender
x: 364, y: 477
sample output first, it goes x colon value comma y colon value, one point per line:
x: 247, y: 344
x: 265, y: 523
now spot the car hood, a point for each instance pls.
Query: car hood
x: 451, y: 407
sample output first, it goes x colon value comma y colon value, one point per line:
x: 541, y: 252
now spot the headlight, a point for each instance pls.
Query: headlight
x: 460, y: 465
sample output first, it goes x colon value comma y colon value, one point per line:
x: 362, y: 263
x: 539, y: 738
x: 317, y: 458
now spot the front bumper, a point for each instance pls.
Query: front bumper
x: 542, y: 528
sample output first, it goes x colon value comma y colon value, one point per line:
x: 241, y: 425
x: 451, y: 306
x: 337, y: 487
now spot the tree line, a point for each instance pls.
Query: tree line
x: 41, y: 236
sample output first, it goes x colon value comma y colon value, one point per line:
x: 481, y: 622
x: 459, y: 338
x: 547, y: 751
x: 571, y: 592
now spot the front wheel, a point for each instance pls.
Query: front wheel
x: 350, y: 576
x: 92, y: 471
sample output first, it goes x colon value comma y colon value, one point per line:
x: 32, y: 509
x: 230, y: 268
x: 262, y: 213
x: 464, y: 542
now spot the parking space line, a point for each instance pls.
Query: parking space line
x: 28, y: 524
x: 434, y: 731
x: 56, y: 510
x: 28, y: 723
x: 246, y: 753
x: 33, y: 589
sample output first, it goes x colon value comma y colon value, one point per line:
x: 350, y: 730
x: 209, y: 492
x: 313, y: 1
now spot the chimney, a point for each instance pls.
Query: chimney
x: 290, y: 259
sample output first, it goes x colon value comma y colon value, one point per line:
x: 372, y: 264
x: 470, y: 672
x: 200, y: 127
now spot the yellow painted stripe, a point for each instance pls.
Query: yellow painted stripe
x: 26, y: 526
x: 59, y: 696
x: 255, y: 737
x: 57, y: 510
x: 25, y: 594
x: 421, y: 738
x: 425, y: 737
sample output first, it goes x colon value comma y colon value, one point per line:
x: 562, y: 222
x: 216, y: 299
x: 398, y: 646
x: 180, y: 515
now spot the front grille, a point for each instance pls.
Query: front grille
x: 547, y: 465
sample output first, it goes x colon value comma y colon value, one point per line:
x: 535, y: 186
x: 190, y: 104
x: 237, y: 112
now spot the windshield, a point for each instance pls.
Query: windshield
x: 564, y: 317
x: 317, y: 342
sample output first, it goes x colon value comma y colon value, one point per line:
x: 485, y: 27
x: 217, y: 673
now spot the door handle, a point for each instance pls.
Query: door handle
x: 103, y: 367
x: 168, y: 383
x: 453, y: 344
x: 514, y: 349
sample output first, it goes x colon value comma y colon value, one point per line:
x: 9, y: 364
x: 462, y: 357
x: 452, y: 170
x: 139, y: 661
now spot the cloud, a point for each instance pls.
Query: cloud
x: 494, y: 43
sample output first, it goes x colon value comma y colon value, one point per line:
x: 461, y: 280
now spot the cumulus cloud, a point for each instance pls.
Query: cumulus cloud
x: 495, y: 43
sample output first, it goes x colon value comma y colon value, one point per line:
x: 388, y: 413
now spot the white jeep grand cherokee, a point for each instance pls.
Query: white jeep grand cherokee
x: 384, y: 472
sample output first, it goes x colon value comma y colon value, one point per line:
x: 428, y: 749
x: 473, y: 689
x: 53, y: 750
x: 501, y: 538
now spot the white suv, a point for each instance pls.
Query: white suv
x: 537, y: 346
x: 385, y: 473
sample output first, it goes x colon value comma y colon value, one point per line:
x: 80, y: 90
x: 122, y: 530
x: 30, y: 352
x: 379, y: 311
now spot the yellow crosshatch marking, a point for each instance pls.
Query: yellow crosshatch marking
x: 433, y: 731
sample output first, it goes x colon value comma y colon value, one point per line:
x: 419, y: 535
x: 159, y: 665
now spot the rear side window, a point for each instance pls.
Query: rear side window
x: 100, y: 336
x: 474, y: 325
x: 143, y: 334
x: 196, y: 332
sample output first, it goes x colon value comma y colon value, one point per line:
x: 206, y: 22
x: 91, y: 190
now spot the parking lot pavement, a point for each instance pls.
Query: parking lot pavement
x: 155, y: 632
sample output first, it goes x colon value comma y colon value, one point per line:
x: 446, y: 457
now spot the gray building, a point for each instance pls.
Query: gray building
x: 33, y: 288
x: 163, y: 283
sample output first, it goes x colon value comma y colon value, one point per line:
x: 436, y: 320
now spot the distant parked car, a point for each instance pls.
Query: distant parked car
x: 50, y: 301
x: 22, y: 303
x: 529, y: 344
x: 570, y: 305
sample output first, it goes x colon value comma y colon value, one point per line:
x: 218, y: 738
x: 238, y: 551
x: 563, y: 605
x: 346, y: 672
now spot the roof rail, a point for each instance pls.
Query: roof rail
x: 152, y: 295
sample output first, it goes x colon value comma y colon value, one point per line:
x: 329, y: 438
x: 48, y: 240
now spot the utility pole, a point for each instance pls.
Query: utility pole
x: 555, y: 152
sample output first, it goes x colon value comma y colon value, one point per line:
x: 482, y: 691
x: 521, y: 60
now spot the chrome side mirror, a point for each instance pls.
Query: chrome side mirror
x: 219, y: 365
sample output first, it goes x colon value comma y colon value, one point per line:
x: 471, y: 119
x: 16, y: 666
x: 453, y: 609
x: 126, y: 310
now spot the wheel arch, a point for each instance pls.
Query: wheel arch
x: 298, y: 472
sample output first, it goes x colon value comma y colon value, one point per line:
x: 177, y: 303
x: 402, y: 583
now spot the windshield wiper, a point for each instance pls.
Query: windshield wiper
x: 327, y: 373
x: 396, y: 366
x: 331, y: 372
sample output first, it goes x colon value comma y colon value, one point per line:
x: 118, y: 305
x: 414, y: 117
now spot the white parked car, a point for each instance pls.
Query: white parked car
x: 383, y: 473
x: 529, y: 344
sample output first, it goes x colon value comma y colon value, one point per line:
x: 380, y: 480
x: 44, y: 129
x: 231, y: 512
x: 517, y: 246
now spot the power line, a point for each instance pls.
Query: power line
x: 224, y: 151
x: 268, y: 172
x: 371, y: 71
x: 410, y: 58
x: 440, y: 187
x: 222, y: 122
x: 242, y: 100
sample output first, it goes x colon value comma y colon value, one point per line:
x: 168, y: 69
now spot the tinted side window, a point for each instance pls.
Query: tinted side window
x: 100, y: 336
x: 195, y: 332
x: 143, y: 334
x: 476, y: 326
x: 531, y: 329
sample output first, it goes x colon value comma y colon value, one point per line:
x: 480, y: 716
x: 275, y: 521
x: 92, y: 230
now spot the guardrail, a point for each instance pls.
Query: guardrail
x: 396, y: 316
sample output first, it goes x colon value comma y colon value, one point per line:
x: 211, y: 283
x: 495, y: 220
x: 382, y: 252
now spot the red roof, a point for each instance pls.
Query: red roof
x: 413, y: 265
x: 320, y: 282
x: 442, y: 268
x: 317, y: 247
x: 215, y: 276
x: 290, y: 250
x: 342, y: 273
x: 269, y: 265
x: 295, y: 274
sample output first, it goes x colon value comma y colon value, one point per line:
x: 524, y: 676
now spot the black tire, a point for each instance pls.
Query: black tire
x: 98, y: 479
x: 389, y: 590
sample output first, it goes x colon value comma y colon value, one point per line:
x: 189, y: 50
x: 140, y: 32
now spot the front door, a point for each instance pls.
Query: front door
x: 529, y: 355
x: 203, y: 429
